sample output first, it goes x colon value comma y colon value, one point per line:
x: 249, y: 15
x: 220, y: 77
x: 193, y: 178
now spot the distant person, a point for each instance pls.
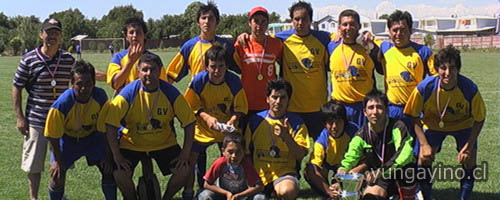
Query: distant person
x: 44, y: 73
x: 111, y: 49
x: 277, y: 141
x: 146, y: 108
x: 78, y: 51
x: 71, y: 128
x: 232, y: 175
x: 449, y: 104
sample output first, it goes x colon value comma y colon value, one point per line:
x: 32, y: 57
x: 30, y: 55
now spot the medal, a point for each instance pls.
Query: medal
x: 260, y: 77
x: 149, y: 127
x: 441, y: 124
x: 441, y: 113
x: 53, y: 83
x: 274, y: 151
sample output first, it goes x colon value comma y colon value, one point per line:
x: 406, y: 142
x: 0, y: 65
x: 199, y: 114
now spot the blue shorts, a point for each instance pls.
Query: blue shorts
x: 198, y: 147
x: 313, y: 123
x: 355, y: 117
x: 93, y: 147
x: 435, y: 138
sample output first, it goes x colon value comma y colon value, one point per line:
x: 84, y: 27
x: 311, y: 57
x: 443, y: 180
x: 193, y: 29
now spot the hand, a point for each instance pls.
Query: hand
x: 212, y: 123
x: 372, y: 176
x: 243, y: 39
x: 282, y: 130
x: 121, y: 162
x: 334, y: 191
x: 182, y: 162
x: 55, y: 170
x: 335, y: 37
x: 367, y: 37
x: 425, y: 155
x: 22, y: 126
x: 464, y: 155
x: 229, y: 195
x: 236, y: 196
x: 341, y: 171
x: 135, y: 51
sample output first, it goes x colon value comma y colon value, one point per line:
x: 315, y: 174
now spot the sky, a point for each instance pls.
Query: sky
x: 156, y: 8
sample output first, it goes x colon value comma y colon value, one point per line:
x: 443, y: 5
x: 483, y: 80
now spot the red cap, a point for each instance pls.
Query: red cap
x: 256, y: 10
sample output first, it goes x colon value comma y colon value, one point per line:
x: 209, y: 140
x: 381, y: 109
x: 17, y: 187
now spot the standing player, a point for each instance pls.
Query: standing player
x: 216, y: 96
x: 191, y: 56
x: 123, y: 66
x: 451, y: 105
x: 44, y: 73
x: 257, y: 61
x: 146, y: 108
x: 352, y: 68
x: 277, y: 141
x: 71, y: 130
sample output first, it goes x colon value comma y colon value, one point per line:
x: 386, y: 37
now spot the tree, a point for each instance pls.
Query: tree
x: 233, y: 25
x: 111, y: 24
x: 189, y: 20
x: 274, y: 17
x: 383, y: 16
x: 5, y: 25
x: 27, y: 29
x: 15, y: 43
x: 73, y: 23
x: 429, y: 40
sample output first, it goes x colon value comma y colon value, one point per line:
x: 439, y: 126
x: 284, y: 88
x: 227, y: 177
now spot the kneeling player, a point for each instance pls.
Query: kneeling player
x: 71, y: 130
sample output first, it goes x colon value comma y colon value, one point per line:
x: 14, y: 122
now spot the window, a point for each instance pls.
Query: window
x: 430, y: 23
x: 322, y: 26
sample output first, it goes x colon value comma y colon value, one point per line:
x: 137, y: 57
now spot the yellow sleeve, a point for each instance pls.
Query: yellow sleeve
x: 163, y: 74
x: 240, y: 102
x: 183, y: 111
x: 175, y: 66
x: 415, y: 104
x: 193, y: 100
x: 118, y: 107
x: 101, y: 120
x: 54, y: 124
x: 302, y: 136
x: 377, y: 41
x: 430, y: 65
x: 318, y: 155
x: 478, y: 108
x: 236, y: 56
x: 113, y: 69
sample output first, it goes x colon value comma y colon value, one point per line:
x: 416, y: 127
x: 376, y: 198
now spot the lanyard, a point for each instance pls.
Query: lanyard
x: 149, y: 109
x: 52, y: 73
x: 441, y: 113
x: 380, y: 157
x: 346, y: 64
x: 259, y: 67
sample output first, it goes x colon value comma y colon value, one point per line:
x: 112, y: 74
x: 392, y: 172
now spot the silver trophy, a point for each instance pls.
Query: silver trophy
x: 350, y: 185
x: 224, y: 128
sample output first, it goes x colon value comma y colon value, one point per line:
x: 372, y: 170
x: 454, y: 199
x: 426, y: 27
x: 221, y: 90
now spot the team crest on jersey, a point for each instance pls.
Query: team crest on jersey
x: 307, y: 63
x: 411, y: 65
x: 406, y: 76
x: 353, y: 71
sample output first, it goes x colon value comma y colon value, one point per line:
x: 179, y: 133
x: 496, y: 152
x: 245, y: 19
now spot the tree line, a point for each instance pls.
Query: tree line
x: 21, y: 32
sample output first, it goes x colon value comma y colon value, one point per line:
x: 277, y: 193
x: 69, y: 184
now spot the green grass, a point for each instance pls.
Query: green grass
x: 84, y: 182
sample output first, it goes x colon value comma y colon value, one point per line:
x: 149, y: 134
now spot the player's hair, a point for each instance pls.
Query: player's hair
x: 301, y: 5
x: 233, y: 137
x: 215, y: 53
x: 151, y: 59
x: 399, y: 15
x: 376, y: 95
x: 350, y: 13
x: 82, y: 67
x: 449, y: 55
x: 204, y: 8
x: 279, y: 84
x: 333, y: 110
x: 134, y: 21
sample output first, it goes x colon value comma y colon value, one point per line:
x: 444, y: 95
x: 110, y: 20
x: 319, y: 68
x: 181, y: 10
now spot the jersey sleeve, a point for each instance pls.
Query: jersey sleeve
x: 240, y: 103
x: 430, y: 65
x: 237, y: 55
x: 183, y: 111
x: 302, y: 136
x: 177, y: 68
x: 101, y: 119
x: 415, y: 104
x: 318, y: 154
x: 251, y: 175
x: 21, y: 77
x: 353, y: 154
x: 54, y: 124
x: 118, y: 107
x: 213, y: 173
x: 478, y: 108
x: 193, y: 99
x: 114, y: 67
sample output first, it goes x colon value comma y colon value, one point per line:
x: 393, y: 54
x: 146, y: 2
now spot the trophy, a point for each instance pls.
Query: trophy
x: 350, y: 185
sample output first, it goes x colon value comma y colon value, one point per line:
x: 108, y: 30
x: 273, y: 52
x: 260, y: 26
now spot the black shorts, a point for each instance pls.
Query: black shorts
x: 390, y: 185
x: 163, y: 157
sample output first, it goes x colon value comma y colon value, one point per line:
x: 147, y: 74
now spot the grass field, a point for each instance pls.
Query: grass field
x: 84, y: 182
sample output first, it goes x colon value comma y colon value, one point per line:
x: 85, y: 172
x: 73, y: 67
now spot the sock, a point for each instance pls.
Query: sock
x: 56, y: 193
x: 108, y: 187
x: 467, y: 184
x: 425, y: 185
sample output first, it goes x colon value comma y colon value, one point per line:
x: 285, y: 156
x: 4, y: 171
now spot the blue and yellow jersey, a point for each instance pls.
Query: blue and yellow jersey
x: 191, y: 57
x: 73, y: 118
x: 466, y: 104
x: 304, y: 65
x: 404, y: 68
x: 119, y: 61
x: 220, y: 101
x: 351, y: 72
x: 329, y: 150
x: 258, y: 143
x: 129, y: 109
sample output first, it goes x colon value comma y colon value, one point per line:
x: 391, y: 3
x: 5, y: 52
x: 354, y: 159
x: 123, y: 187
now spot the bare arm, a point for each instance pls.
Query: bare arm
x: 298, y: 151
x: 134, y: 54
x: 100, y: 75
x: 57, y: 167
x: 425, y: 156
x: 209, y: 120
x: 22, y: 123
x: 120, y: 161
x: 217, y: 189
x: 251, y: 190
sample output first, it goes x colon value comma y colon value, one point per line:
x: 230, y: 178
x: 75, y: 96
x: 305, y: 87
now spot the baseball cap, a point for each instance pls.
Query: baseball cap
x: 256, y: 10
x: 51, y: 23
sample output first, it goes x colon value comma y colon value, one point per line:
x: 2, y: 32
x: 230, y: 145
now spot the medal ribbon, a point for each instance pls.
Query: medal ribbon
x: 347, y: 64
x: 149, y: 109
x: 259, y: 67
x: 52, y: 73
x: 441, y: 113
x: 381, y: 158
